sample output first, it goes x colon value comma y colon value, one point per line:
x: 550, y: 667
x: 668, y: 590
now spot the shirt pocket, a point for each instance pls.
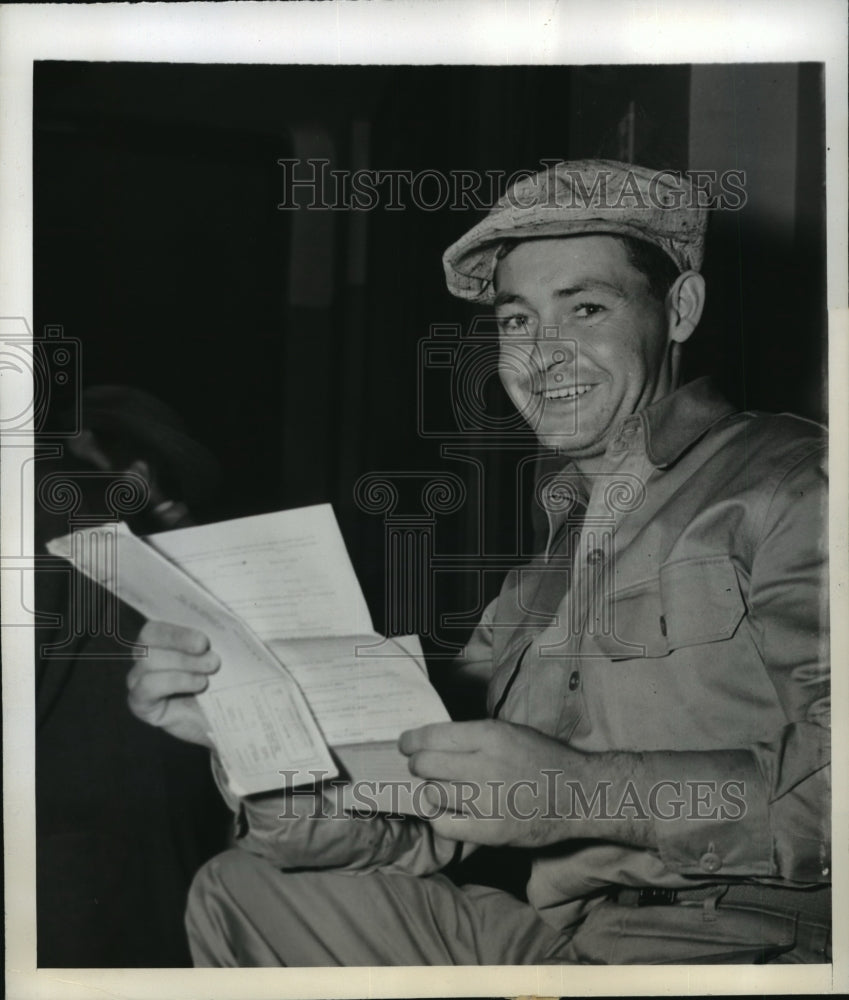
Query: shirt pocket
x: 701, y: 599
x: 689, y: 603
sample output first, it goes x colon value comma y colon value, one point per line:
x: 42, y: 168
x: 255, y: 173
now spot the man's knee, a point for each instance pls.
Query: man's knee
x: 242, y: 911
x: 219, y: 896
x: 225, y: 872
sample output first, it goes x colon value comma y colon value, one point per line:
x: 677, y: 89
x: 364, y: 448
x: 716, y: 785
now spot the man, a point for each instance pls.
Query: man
x: 656, y: 682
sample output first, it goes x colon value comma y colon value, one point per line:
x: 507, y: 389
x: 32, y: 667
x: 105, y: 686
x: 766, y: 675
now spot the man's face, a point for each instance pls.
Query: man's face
x: 583, y: 343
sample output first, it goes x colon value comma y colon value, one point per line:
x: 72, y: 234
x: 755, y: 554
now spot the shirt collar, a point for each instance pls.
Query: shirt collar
x: 676, y: 422
x: 669, y: 427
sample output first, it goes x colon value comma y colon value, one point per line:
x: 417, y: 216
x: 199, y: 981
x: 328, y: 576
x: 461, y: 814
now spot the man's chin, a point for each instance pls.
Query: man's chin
x: 568, y: 445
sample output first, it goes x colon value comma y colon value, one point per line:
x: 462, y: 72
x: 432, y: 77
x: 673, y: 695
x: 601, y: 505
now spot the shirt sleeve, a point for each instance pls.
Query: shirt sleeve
x: 778, y: 822
x: 305, y: 829
x: 463, y: 685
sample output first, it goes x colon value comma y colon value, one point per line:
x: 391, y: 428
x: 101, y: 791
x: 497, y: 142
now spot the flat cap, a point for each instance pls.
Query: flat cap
x: 582, y: 197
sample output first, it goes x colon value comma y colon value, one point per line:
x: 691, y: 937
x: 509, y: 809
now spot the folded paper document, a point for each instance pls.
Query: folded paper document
x: 306, y: 689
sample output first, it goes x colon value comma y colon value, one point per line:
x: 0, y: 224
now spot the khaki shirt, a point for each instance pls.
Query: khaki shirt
x: 690, y: 624
x: 680, y: 611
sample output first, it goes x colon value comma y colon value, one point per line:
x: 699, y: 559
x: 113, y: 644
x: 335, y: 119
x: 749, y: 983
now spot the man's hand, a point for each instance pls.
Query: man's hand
x: 487, y: 780
x: 162, y: 685
x: 498, y: 783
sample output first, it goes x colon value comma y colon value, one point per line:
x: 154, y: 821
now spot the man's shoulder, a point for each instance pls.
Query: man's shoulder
x: 755, y: 454
x: 776, y: 440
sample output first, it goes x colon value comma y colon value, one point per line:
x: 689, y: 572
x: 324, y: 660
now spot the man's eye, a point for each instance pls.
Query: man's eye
x: 515, y: 324
x: 586, y: 309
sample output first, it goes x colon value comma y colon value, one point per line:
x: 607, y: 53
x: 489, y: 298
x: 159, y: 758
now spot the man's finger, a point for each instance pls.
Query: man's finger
x: 463, y: 737
x: 473, y: 798
x: 154, y: 689
x: 165, y: 660
x: 167, y: 635
x: 447, y: 765
x: 457, y: 827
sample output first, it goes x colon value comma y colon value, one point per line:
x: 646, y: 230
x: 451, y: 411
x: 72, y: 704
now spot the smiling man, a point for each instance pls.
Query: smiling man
x: 656, y: 682
x: 585, y: 342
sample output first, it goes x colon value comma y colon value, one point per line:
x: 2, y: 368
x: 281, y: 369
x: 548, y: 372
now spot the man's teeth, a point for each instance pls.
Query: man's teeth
x: 575, y: 390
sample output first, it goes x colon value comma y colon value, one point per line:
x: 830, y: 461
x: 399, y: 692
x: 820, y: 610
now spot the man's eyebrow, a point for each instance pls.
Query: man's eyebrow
x: 590, y: 285
x: 505, y: 298
x: 582, y: 287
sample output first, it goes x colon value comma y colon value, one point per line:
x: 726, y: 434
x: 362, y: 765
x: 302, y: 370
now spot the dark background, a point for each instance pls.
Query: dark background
x: 289, y: 341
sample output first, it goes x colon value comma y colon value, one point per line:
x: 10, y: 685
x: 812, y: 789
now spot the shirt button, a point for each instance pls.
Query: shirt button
x: 574, y: 680
x: 710, y: 862
x: 595, y: 557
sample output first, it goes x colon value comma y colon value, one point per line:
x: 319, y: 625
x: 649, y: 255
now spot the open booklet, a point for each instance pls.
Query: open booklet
x: 302, y: 668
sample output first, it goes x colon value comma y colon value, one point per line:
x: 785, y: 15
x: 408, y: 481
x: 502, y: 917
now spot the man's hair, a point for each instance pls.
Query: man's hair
x: 659, y: 269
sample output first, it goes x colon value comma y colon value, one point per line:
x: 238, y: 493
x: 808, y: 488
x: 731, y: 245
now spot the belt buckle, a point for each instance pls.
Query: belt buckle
x: 657, y: 897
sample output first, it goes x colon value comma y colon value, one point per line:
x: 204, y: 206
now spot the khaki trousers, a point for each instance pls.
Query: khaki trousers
x: 243, y: 912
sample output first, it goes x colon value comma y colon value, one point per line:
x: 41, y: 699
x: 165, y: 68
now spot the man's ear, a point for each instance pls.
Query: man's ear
x: 684, y: 304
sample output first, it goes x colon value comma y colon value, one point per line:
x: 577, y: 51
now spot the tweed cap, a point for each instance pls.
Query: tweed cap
x: 582, y: 197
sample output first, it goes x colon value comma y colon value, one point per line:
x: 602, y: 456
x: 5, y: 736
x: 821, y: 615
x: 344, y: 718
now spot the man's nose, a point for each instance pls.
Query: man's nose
x: 555, y: 350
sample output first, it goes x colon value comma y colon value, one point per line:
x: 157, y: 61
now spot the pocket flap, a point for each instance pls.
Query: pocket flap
x: 694, y: 601
x: 701, y: 600
x: 633, y: 625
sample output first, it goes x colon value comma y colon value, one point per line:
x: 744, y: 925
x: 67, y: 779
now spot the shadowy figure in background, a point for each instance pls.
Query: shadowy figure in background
x: 125, y: 815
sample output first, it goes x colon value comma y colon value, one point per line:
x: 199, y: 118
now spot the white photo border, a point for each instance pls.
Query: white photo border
x: 416, y: 32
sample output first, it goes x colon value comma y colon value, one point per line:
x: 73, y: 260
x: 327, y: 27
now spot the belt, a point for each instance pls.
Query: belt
x: 813, y: 903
